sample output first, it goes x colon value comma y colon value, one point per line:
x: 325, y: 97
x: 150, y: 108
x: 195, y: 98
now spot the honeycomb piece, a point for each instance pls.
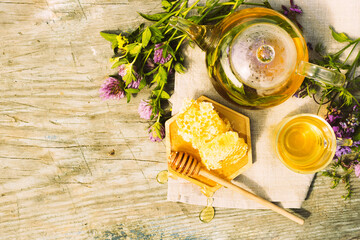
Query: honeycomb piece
x: 225, y: 149
x: 199, y: 123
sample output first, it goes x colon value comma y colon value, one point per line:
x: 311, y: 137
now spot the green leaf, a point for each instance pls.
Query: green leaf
x: 166, y: 5
x: 129, y: 76
x: 156, y: 78
x: 128, y: 97
x: 340, y: 37
x: 156, y: 35
x: 120, y: 62
x: 163, y: 94
x: 114, y: 45
x: 133, y: 48
x: 179, y: 68
x: 142, y: 83
x: 135, y: 34
x: 132, y: 90
x: 146, y: 35
x: 163, y: 75
x: 346, y: 96
x: 267, y: 4
x: 153, y: 17
x: 109, y: 36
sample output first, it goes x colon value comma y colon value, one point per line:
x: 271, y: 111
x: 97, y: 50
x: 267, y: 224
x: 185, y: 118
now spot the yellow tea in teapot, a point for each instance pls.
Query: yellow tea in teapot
x: 253, y: 63
x: 256, y: 57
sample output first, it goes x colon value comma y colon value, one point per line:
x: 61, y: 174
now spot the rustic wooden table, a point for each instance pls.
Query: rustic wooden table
x: 58, y: 178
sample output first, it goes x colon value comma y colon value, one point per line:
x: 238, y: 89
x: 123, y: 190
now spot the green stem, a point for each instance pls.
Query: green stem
x: 350, y: 52
x: 152, y: 71
x: 350, y: 74
x: 180, y: 36
x: 226, y: 4
x: 146, y: 58
x: 179, y: 44
x: 172, y: 36
x: 170, y: 14
x: 158, y: 96
x: 158, y: 118
x: 342, y: 50
x: 170, y: 64
x: 191, y: 7
x: 236, y: 5
x: 253, y: 4
x: 135, y: 58
x: 217, y: 18
x: 208, y: 11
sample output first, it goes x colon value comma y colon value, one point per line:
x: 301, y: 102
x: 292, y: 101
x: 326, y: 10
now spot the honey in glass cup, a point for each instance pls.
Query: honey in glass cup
x: 305, y: 143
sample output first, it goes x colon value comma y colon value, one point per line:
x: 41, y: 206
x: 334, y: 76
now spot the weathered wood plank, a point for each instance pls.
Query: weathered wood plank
x: 58, y: 179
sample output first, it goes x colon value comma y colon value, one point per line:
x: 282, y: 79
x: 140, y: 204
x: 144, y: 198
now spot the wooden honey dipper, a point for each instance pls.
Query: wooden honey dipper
x: 186, y: 164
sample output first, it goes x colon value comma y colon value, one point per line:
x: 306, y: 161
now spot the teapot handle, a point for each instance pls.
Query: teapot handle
x: 320, y: 74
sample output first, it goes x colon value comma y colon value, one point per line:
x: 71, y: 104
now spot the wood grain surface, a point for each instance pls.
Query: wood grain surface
x: 75, y: 167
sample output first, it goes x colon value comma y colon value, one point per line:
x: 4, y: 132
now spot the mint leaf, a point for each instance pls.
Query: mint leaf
x: 120, y: 62
x: 132, y: 90
x: 340, y: 37
x: 156, y: 35
x: 179, y: 68
x: 153, y: 17
x: 142, y: 83
x: 133, y: 48
x: 161, y: 76
x: 109, y: 36
x: 128, y: 97
x: 129, y: 76
x: 146, y: 35
x: 166, y: 5
x: 156, y: 78
x: 164, y: 95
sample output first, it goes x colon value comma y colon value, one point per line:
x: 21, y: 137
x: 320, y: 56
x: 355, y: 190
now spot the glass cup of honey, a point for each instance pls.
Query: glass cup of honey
x: 305, y: 143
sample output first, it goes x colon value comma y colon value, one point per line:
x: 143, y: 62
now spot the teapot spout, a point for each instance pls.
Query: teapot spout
x: 200, y: 34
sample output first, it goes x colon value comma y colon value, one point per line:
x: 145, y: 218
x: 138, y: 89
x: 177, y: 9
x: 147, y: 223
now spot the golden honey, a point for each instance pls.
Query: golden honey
x: 305, y: 143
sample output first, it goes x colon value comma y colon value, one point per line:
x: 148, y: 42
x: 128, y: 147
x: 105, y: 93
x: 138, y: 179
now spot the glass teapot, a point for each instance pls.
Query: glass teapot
x: 256, y: 57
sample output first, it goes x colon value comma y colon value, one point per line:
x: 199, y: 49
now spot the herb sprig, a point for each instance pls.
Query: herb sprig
x: 149, y: 55
x: 329, y: 93
x: 343, y: 107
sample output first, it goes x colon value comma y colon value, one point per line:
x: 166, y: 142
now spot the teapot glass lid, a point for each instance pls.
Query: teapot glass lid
x: 263, y: 56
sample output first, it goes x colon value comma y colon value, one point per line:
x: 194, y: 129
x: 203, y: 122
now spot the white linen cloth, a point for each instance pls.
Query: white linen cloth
x: 267, y: 178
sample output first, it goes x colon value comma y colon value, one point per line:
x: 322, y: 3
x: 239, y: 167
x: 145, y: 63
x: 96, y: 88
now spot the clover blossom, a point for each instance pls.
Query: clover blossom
x: 158, y: 54
x: 145, y: 109
x: 157, y: 132
x: 135, y: 84
x: 112, y: 88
